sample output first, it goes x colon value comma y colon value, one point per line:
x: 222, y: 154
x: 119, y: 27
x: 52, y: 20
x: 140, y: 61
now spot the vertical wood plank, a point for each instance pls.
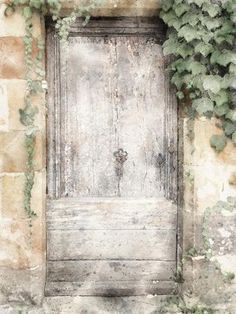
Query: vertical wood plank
x: 114, y: 97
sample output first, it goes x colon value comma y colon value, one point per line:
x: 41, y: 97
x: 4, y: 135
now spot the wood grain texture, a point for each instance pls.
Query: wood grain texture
x: 103, y: 305
x: 58, y: 99
x: 111, y: 244
x: 103, y: 113
x: 106, y: 288
x: 103, y: 26
x: 111, y: 226
x: 111, y: 213
x: 102, y: 270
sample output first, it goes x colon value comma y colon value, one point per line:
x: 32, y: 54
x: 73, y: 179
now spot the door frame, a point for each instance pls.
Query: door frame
x: 173, y: 143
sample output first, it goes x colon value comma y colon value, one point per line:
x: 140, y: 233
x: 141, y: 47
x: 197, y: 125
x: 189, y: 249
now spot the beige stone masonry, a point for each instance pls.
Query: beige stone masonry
x: 14, y: 25
x: 208, y: 176
x: 21, y: 246
x: 13, y: 100
x: 22, y: 254
x: 12, y: 64
x: 116, y: 7
x: 13, y: 158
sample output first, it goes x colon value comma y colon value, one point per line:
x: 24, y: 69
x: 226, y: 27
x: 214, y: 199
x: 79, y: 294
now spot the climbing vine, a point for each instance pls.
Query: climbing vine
x: 35, y: 74
x: 201, y: 36
x: 210, y: 267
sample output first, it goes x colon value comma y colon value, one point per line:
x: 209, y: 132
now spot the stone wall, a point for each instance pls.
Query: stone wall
x: 208, y: 178
x: 22, y: 254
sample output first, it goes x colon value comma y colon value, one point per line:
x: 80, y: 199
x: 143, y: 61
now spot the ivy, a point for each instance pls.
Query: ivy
x: 35, y: 74
x: 201, y: 36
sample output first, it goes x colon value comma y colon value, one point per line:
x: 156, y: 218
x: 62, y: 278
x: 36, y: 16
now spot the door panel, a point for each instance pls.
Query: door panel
x: 112, y: 166
x: 115, y: 99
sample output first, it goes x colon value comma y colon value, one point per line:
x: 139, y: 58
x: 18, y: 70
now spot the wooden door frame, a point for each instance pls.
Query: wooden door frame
x: 173, y: 143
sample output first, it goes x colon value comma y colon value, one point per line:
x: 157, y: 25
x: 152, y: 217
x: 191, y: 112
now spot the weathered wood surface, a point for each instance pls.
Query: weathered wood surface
x: 108, y: 207
x: 102, y: 270
x: 124, y: 26
x: 100, y: 288
x: 103, y: 305
x: 111, y: 244
x: 103, y: 112
x: 135, y: 23
x: 111, y: 213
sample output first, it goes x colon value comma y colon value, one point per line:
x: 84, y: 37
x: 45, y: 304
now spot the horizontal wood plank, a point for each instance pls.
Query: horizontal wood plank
x: 111, y: 213
x: 120, y: 22
x: 119, y: 25
x: 110, y: 270
x: 110, y: 288
x: 111, y: 244
x: 104, y: 305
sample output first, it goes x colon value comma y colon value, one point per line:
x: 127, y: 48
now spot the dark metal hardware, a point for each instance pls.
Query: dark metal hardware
x: 121, y: 156
x: 160, y: 160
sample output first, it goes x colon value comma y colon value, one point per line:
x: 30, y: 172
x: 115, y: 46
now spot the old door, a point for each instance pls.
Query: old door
x: 111, y: 216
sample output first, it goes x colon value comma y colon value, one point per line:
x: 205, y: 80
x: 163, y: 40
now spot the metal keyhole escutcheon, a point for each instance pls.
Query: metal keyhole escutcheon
x: 121, y: 156
x: 160, y: 160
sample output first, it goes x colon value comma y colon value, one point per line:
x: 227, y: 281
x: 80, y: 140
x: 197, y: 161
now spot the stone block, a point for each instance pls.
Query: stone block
x: 211, y: 184
x: 203, y: 152
x: 12, y: 208
x: 22, y: 246
x: 117, y: 7
x: 4, y: 111
x: 13, y: 154
x: 23, y: 289
x: 14, y: 25
x: 15, y: 90
x: 12, y: 63
x: 188, y: 146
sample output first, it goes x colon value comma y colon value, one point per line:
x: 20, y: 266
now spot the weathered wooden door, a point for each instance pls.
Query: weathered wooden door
x: 112, y: 169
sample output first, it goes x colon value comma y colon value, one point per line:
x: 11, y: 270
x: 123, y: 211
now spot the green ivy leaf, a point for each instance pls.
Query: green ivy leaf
x: 189, y: 33
x: 184, y: 50
x: 203, y: 105
x: 180, y: 95
x: 234, y: 137
x: 170, y: 45
x: 212, y: 83
x: 204, y: 48
x: 27, y: 115
x: 190, y: 18
x: 231, y: 115
x: 221, y: 110
x: 210, y: 23
x: 181, y: 8
x: 36, y: 4
x: 197, y: 2
x: 220, y: 98
x: 179, y: 66
x: 229, y: 127
x: 223, y: 57
x: 211, y: 8
x: 168, y: 17
x: 232, y: 68
x: 177, y: 80
x: 196, y: 67
x: 166, y: 5
x: 227, y: 28
x: 27, y: 12
x: 218, y: 142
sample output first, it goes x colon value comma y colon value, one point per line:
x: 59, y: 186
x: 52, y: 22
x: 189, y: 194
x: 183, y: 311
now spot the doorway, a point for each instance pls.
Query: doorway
x: 112, y: 161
